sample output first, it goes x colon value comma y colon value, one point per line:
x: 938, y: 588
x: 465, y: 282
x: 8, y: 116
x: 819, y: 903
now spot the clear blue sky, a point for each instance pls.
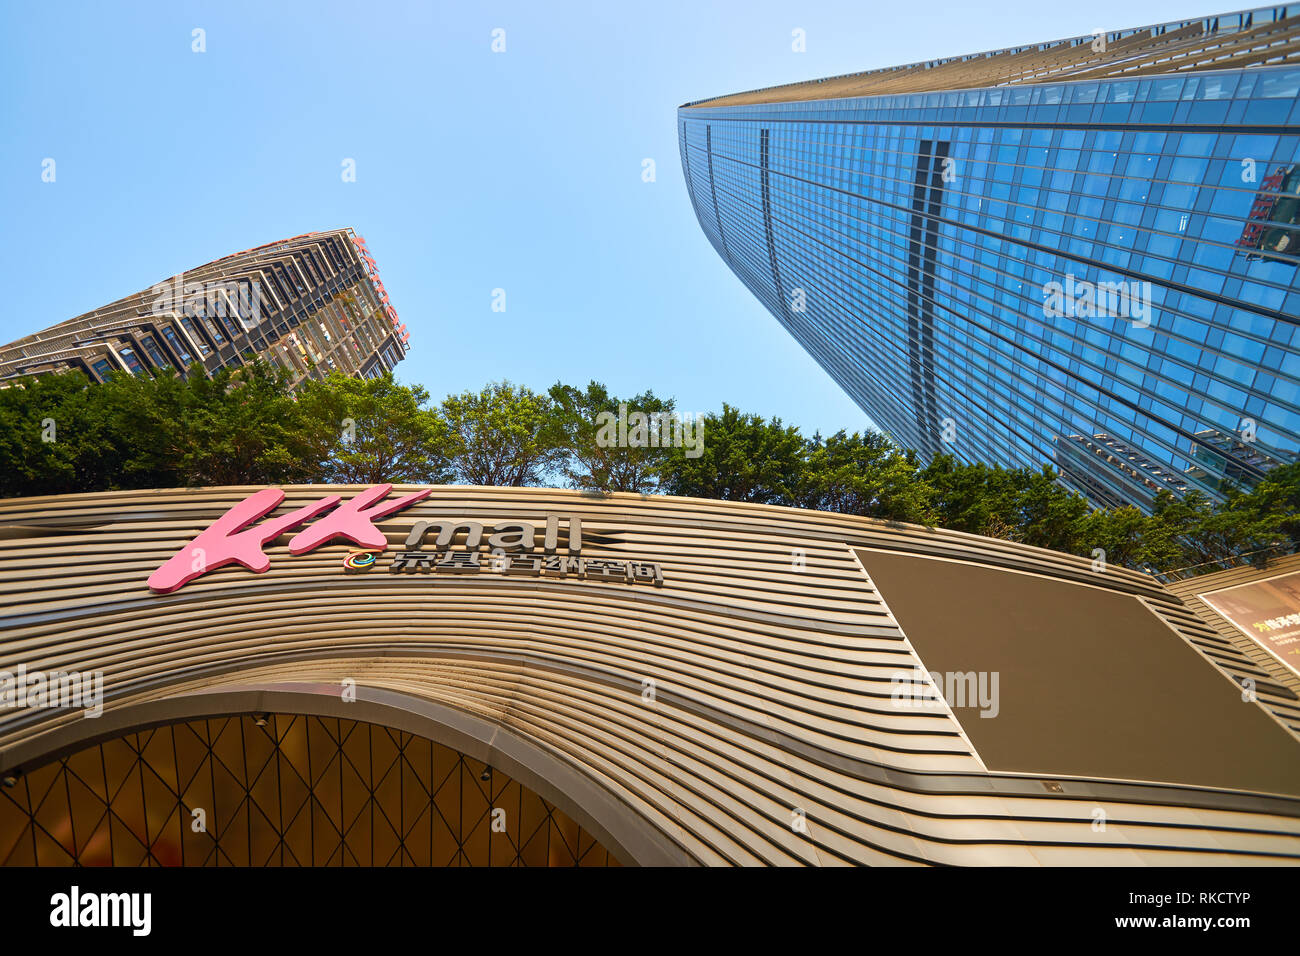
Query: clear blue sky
x: 475, y: 170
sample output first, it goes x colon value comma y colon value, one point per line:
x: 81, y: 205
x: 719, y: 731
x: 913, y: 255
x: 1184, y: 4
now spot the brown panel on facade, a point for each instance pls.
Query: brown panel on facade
x: 1080, y: 669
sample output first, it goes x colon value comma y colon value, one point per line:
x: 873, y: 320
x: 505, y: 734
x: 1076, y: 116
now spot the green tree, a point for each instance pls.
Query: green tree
x: 240, y: 427
x: 502, y: 435
x: 1128, y: 537
x: 374, y: 430
x: 1272, y: 508
x: 63, y: 434
x: 1018, y: 504
x: 46, y: 446
x: 148, y: 421
x: 1200, y: 532
x: 136, y: 431
x: 1185, y: 524
x: 595, y: 463
x: 741, y: 458
x: 1048, y: 515
x: 863, y: 474
x: 976, y: 499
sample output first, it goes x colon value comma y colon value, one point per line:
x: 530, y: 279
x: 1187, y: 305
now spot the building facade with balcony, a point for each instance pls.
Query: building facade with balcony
x: 313, y: 304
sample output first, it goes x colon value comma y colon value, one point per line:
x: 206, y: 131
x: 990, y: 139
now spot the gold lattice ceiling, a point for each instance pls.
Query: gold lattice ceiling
x: 294, y: 791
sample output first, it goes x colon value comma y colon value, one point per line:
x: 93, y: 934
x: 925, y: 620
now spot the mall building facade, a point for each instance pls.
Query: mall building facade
x: 1081, y: 252
x: 313, y: 304
x: 335, y: 675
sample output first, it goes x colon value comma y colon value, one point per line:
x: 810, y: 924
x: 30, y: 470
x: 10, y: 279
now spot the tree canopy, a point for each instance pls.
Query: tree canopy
x: 368, y: 431
x: 61, y: 434
x: 587, y: 420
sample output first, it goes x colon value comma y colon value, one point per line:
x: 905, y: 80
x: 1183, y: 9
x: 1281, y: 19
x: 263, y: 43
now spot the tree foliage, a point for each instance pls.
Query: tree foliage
x: 374, y: 430
x: 743, y: 459
x: 591, y: 460
x: 863, y: 474
x: 61, y: 434
x: 502, y: 435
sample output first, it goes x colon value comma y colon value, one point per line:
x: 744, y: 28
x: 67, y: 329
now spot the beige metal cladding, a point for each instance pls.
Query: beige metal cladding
x: 1265, y: 36
x: 743, y: 712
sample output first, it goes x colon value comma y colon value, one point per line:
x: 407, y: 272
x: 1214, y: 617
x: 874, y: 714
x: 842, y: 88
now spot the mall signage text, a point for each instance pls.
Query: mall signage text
x: 239, y: 536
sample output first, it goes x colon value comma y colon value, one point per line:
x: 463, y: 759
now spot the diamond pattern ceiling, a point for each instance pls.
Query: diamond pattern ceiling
x: 296, y: 791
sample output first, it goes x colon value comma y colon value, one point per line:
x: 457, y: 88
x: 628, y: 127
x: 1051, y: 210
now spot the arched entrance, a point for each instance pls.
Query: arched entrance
x: 398, y: 756
x: 282, y: 790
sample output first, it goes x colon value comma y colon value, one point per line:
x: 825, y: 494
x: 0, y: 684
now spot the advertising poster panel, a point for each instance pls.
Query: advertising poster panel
x: 1266, y: 611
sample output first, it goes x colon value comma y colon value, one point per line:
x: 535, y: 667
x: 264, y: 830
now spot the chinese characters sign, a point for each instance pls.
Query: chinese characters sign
x: 549, y: 565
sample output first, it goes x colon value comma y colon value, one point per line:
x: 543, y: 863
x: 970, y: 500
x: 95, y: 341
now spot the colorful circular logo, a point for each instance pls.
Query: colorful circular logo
x: 360, y: 560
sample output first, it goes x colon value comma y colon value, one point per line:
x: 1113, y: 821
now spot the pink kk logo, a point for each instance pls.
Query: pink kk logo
x: 232, y: 538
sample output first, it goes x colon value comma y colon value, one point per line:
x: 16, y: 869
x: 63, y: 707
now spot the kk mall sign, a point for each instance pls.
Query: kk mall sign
x: 239, y: 536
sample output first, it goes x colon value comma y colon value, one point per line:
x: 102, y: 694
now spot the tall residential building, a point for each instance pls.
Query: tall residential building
x: 312, y: 304
x: 1081, y: 252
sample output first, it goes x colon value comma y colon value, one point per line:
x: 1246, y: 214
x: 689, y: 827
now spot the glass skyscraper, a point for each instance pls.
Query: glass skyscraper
x: 1081, y: 253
